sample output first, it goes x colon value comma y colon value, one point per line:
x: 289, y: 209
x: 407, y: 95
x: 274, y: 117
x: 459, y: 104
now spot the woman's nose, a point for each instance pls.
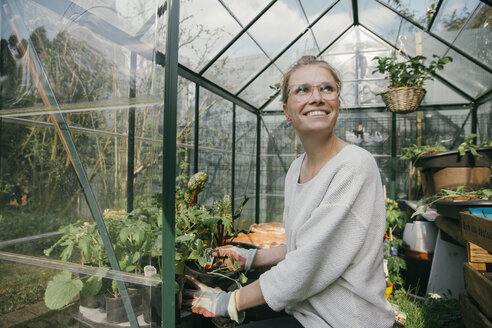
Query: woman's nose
x: 315, y: 95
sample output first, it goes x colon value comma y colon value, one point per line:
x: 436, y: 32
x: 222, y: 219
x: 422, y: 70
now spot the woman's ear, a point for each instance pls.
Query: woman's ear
x: 284, y: 107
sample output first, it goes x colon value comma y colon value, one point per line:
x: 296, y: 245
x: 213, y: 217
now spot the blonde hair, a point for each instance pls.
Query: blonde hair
x: 305, y: 61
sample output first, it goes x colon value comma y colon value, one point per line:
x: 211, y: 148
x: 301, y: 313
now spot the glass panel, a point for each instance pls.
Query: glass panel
x: 245, y: 170
x: 466, y: 76
x: 451, y: 17
x: 314, y: 8
x: 477, y: 36
x: 484, y: 122
x: 306, y: 45
x: 237, y: 65
x: 410, y: 40
x: 333, y: 24
x: 280, y: 31
x: 439, y: 93
x: 274, y: 105
x: 279, y: 148
x: 82, y: 63
x: 263, y: 86
x: 357, y: 39
x: 419, y: 11
x: 185, y: 128
x: 380, y: 20
x: 215, y: 145
x: 246, y: 11
x: 205, y: 28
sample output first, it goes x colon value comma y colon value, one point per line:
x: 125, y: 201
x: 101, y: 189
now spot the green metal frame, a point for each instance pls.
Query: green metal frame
x: 169, y: 165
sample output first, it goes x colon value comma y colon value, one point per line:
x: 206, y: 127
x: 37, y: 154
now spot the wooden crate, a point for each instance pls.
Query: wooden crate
x: 479, y: 287
x: 472, y: 317
x: 477, y: 229
x: 477, y: 256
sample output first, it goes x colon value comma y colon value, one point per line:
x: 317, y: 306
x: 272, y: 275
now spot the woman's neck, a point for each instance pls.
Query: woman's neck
x: 318, y: 153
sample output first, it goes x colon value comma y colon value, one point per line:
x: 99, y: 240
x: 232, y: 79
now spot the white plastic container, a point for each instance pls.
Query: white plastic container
x: 421, y: 236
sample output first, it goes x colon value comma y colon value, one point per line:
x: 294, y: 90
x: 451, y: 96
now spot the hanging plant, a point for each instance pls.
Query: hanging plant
x: 405, y: 91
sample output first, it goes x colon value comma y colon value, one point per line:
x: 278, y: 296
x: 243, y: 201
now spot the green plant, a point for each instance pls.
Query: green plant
x: 409, y: 73
x: 136, y: 240
x: 413, y: 151
x: 461, y: 193
x: 422, y: 312
x: 395, y: 223
x: 468, y: 145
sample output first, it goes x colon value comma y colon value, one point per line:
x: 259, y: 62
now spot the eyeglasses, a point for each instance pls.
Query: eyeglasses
x: 327, y: 90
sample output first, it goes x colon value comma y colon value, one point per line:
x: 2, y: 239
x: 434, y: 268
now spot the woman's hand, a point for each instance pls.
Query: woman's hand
x: 210, y: 302
x: 229, y: 255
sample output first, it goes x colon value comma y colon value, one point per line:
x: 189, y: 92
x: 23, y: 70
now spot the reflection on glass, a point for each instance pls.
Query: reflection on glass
x: 237, y: 65
x: 205, y: 28
x: 476, y: 38
x: 452, y: 16
x: 419, y: 11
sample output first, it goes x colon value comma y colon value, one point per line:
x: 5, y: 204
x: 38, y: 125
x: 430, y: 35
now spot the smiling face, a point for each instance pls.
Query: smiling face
x: 317, y: 112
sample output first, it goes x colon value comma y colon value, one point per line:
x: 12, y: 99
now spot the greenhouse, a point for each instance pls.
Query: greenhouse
x: 137, y: 135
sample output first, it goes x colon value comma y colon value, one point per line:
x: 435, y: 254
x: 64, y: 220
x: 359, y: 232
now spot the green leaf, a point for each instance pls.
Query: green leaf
x: 92, y: 286
x: 202, y: 261
x: 67, y: 252
x: 136, y: 257
x: 61, y: 290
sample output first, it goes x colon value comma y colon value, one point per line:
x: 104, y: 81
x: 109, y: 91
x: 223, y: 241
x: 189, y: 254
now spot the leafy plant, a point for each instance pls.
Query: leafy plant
x: 461, y: 193
x: 395, y: 223
x: 413, y: 151
x: 409, y: 73
x: 468, y: 145
x: 136, y: 240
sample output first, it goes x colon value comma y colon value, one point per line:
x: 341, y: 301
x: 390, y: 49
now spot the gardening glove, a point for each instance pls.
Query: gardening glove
x: 211, y: 302
x: 226, y: 255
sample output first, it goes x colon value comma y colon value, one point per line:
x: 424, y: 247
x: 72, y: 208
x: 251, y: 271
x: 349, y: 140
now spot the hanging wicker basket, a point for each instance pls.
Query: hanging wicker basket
x: 403, y: 100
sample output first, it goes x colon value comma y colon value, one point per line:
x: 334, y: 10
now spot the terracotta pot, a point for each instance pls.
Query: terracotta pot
x: 434, y: 179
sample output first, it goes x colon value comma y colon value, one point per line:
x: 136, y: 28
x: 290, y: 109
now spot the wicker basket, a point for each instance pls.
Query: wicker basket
x: 403, y: 100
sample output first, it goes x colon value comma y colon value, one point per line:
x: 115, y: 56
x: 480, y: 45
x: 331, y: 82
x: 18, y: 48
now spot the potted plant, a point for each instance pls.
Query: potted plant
x: 405, y: 92
x: 133, y: 240
x: 393, y: 243
x: 468, y: 165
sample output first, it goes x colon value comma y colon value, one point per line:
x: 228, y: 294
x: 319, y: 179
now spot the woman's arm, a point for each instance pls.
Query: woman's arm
x: 270, y: 256
x: 249, y: 296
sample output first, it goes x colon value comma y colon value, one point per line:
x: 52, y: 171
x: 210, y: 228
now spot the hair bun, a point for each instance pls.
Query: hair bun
x: 307, y: 59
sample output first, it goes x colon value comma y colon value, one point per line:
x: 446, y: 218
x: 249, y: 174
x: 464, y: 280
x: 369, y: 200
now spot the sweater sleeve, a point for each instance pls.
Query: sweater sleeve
x: 328, y: 242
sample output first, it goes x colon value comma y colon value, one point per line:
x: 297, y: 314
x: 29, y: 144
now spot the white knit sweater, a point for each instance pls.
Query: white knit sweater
x: 332, y: 275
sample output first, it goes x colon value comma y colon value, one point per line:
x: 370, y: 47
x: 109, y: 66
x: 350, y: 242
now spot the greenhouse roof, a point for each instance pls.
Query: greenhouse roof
x: 240, y: 49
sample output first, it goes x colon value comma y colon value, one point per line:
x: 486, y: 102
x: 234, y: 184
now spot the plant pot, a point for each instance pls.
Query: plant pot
x: 448, y: 169
x: 115, y: 309
x: 403, y: 100
x: 92, y: 302
x: 152, y: 303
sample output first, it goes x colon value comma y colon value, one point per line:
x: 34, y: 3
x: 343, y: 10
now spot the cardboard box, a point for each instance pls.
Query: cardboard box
x: 476, y: 229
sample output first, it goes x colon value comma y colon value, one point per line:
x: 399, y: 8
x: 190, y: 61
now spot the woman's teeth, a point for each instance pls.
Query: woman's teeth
x: 316, y: 113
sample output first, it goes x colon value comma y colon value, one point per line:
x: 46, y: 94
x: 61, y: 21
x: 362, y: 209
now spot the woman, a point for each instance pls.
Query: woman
x: 329, y: 273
